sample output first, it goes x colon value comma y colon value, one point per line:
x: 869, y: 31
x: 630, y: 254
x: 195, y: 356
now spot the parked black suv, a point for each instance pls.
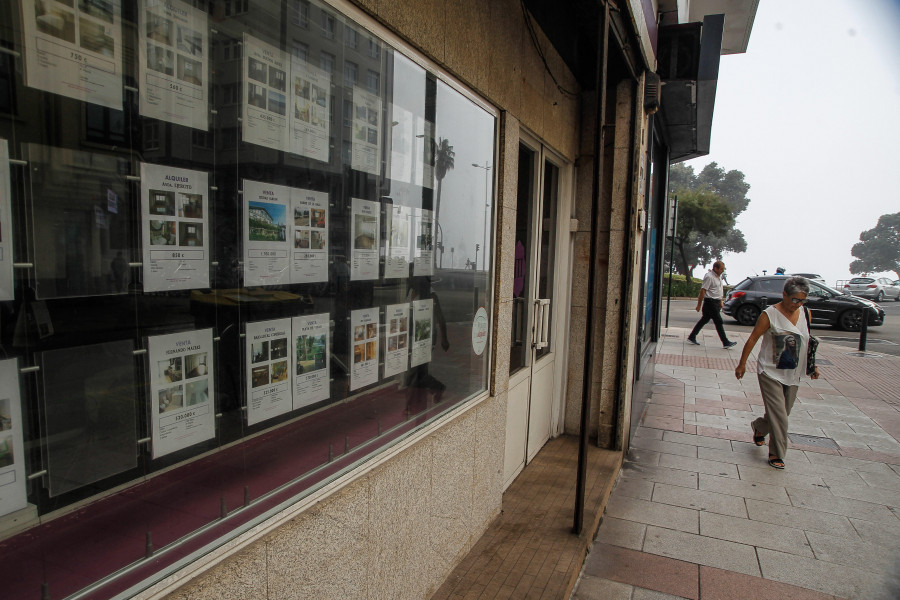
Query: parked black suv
x: 828, y: 307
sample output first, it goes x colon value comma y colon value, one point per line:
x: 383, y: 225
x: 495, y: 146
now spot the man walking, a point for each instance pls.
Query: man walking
x: 710, y: 301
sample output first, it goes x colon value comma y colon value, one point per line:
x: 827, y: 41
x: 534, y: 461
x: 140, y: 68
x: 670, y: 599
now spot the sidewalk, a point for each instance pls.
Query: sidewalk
x: 697, y: 513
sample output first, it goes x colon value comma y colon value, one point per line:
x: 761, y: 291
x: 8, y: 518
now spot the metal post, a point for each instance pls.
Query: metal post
x: 601, y: 79
x: 864, y: 329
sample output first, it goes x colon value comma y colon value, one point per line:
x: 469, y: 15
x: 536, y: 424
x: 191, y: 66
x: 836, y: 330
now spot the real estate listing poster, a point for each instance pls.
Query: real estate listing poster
x: 269, y: 389
x: 365, y: 233
x: 74, y: 49
x: 175, y: 223
x: 6, y: 245
x: 396, y: 335
x: 397, y: 258
x: 267, y: 251
x: 364, y: 341
x: 312, y: 372
x: 265, y: 120
x: 13, y: 495
x: 182, y: 390
x: 422, y: 322
x: 423, y: 264
x: 310, y: 254
x: 365, y: 151
x: 173, y: 49
x: 311, y: 110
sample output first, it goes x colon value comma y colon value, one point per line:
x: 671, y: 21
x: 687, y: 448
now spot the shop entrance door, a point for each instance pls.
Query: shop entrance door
x: 540, y: 295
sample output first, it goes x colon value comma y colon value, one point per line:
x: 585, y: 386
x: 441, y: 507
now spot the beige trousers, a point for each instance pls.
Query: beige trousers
x: 779, y: 400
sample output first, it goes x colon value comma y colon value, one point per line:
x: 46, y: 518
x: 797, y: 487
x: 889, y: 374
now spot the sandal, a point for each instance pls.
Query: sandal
x: 776, y: 462
x: 759, y: 440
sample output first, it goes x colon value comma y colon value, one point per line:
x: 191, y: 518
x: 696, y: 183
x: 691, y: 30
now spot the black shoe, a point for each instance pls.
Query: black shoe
x: 729, y: 344
x: 693, y: 341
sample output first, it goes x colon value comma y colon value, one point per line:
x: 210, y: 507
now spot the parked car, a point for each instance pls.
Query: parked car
x: 877, y: 288
x: 750, y: 297
x: 811, y: 276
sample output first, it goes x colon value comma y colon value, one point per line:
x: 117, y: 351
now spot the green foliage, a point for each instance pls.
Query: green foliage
x: 680, y: 287
x: 878, y: 248
x: 706, y: 228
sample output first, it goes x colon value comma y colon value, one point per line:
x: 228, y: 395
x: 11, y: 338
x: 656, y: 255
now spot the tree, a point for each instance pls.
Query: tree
x: 878, y: 249
x: 443, y: 162
x: 702, y: 215
x: 700, y: 241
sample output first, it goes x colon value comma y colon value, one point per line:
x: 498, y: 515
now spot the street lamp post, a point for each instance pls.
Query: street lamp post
x: 487, y: 192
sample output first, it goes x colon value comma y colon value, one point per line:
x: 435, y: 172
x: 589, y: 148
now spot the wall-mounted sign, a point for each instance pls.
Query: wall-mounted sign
x: 364, y: 341
x: 265, y: 120
x: 365, y: 238
x: 74, y: 49
x: 173, y: 49
x: 175, y: 220
x: 13, y: 494
x: 269, y: 381
x: 311, y: 362
x: 396, y: 336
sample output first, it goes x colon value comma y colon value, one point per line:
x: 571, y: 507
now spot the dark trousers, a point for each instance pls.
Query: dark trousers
x: 711, y: 311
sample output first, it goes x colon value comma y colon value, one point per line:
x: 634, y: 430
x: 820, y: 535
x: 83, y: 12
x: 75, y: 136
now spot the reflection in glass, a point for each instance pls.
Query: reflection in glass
x: 90, y: 413
x: 79, y: 238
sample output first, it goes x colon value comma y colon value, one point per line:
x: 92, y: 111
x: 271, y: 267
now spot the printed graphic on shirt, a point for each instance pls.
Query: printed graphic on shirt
x: 786, y: 350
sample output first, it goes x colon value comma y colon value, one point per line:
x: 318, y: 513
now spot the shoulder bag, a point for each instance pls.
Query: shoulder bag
x: 811, y: 347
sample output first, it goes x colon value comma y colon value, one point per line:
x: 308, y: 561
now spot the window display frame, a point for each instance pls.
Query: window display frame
x: 371, y: 421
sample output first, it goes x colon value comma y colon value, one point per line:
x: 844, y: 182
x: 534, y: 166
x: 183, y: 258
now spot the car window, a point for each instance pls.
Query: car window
x: 862, y: 280
x: 746, y: 284
x: 818, y: 292
x: 771, y: 285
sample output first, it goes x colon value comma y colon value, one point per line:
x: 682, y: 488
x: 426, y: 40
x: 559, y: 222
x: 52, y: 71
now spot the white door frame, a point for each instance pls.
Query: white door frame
x: 521, y: 382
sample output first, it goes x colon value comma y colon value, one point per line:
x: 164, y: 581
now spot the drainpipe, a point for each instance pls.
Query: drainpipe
x: 601, y: 77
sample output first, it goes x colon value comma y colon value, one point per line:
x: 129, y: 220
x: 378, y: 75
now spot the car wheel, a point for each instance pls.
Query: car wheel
x: 880, y: 297
x: 850, y: 320
x: 747, y: 314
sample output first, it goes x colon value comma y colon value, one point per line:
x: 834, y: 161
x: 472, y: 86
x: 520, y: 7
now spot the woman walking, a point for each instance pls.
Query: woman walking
x: 784, y: 329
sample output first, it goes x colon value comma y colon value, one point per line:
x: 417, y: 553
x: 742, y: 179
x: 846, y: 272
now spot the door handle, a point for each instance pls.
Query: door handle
x: 541, y: 323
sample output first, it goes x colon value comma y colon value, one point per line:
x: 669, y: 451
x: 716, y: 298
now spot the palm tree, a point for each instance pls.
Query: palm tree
x: 443, y: 162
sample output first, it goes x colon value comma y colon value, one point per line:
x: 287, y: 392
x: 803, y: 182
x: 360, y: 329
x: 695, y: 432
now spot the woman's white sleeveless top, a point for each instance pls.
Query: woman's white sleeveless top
x: 782, y: 355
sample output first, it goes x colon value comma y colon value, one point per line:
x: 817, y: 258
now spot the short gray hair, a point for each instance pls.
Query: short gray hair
x: 796, y: 285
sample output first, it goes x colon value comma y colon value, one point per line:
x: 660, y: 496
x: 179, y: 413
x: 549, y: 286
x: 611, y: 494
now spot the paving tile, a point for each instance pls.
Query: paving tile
x: 670, y: 400
x: 645, y: 594
x: 840, y: 580
x: 648, y: 432
x: 881, y: 534
x: 744, y: 489
x: 866, y: 494
x: 665, y: 411
x: 661, y: 475
x: 665, y: 447
x: 653, y: 513
x: 699, y: 466
x: 619, y: 532
x: 594, y: 588
x: 783, y: 477
x: 702, y: 550
x: 661, y: 423
x: 701, y: 500
x: 644, y: 570
x: 755, y: 533
x: 634, y: 487
x: 854, y: 553
x: 825, y: 501
x: 800, y: 518
x: 719, y: 584
x: 695, y: 440
x: 845, y: 462
x: 643, y: 457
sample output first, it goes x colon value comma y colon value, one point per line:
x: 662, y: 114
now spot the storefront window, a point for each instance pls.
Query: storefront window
x: 227, y: 276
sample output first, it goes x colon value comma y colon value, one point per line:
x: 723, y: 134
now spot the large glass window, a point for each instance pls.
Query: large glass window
x: 228, y: 274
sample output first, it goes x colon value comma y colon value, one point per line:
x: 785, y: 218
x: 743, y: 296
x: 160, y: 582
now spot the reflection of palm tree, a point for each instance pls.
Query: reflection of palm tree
x: 443, y: 162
